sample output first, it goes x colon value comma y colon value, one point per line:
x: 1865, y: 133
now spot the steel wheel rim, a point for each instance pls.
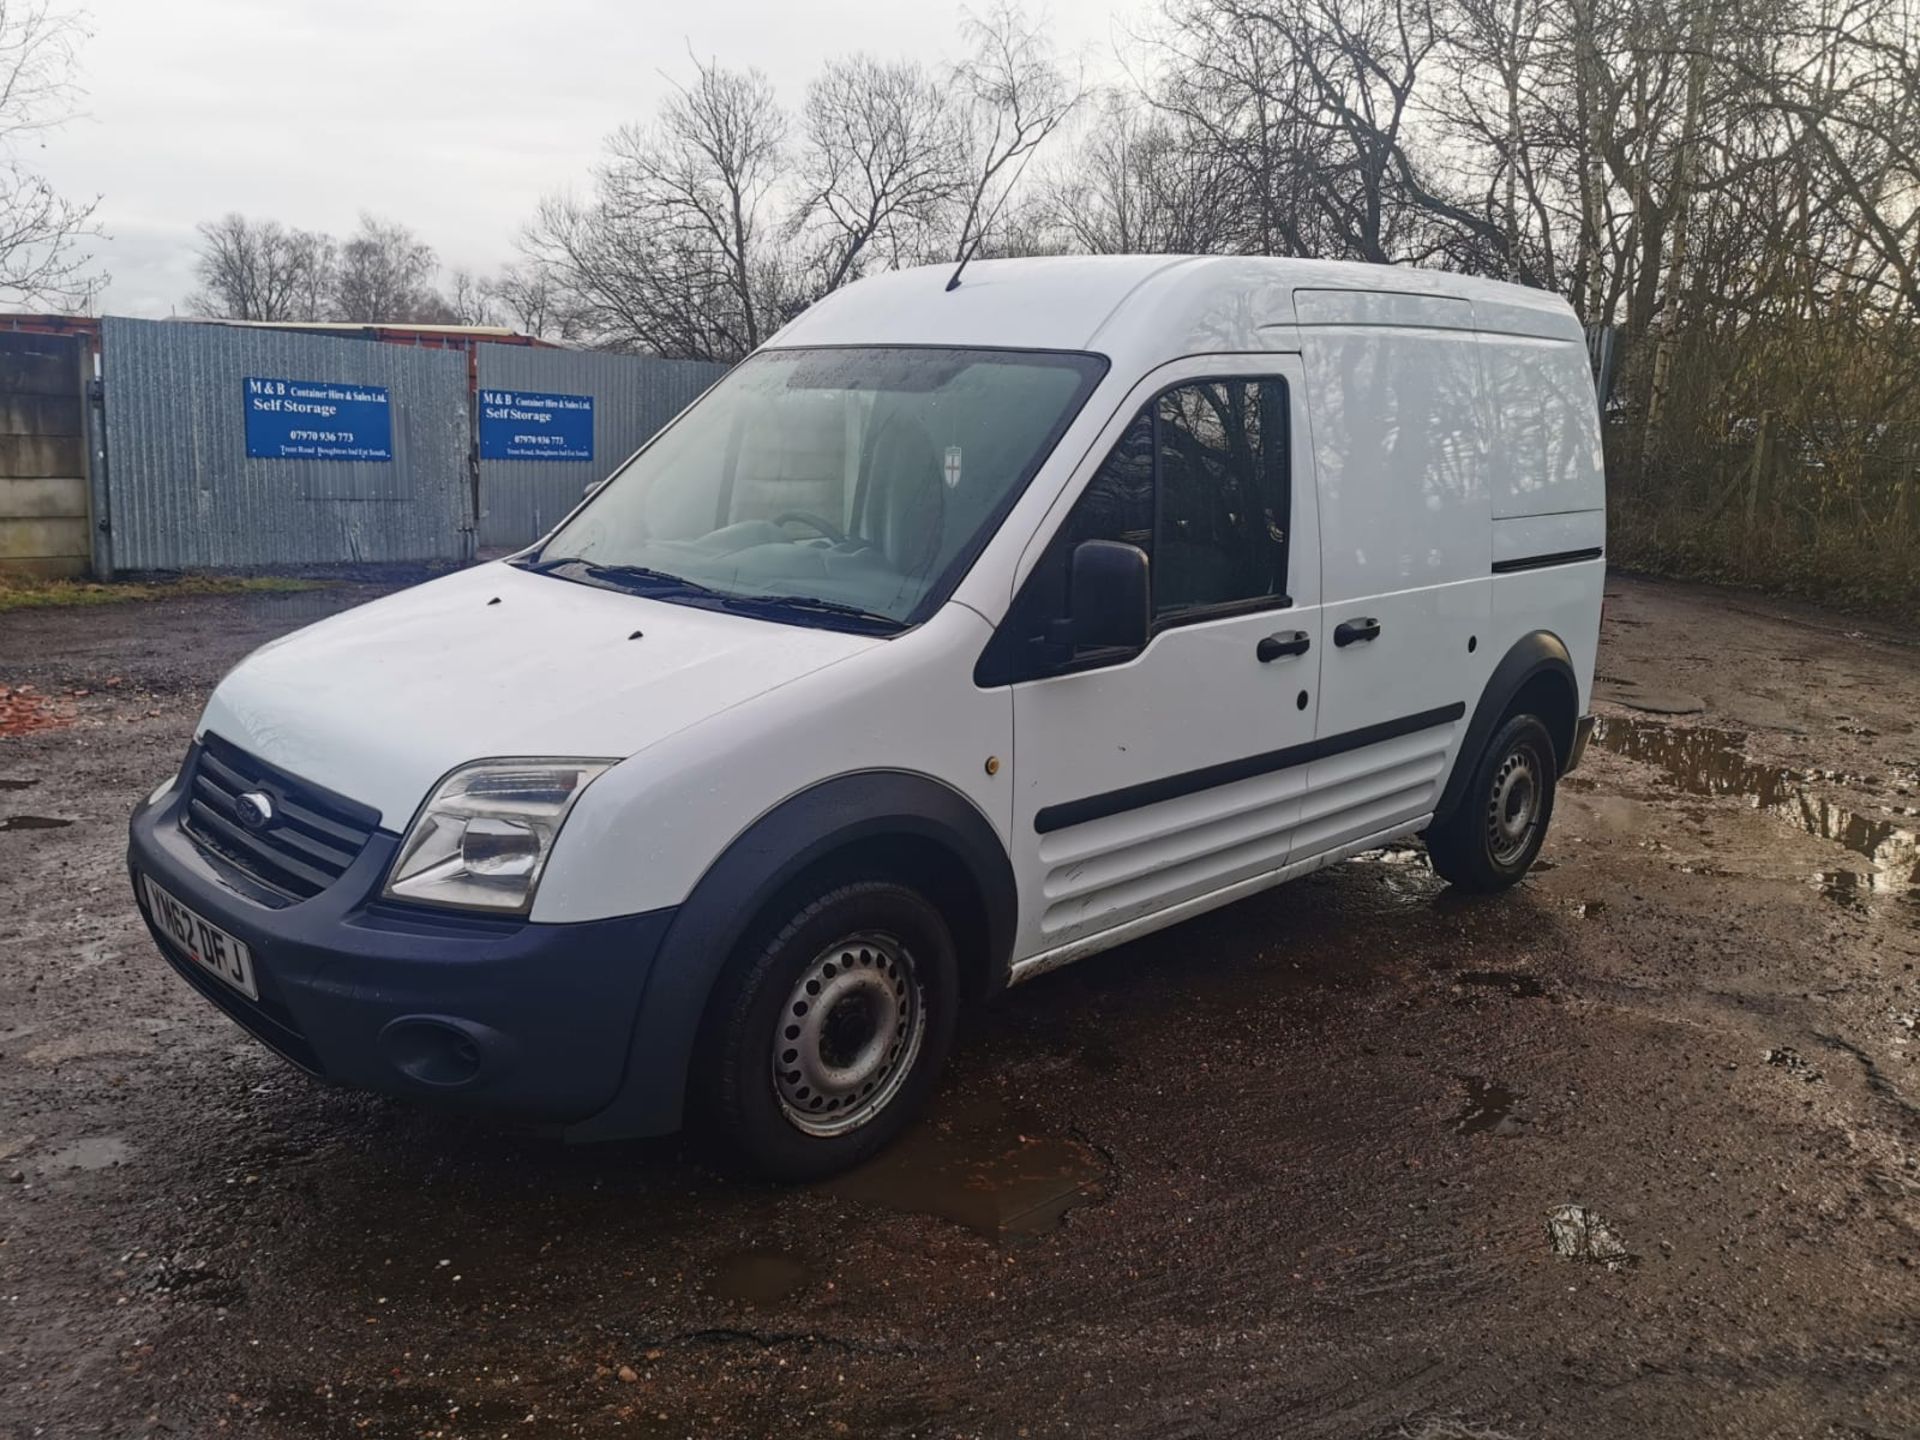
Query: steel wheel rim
x: 1513, y: 809
x: 848, y: 1035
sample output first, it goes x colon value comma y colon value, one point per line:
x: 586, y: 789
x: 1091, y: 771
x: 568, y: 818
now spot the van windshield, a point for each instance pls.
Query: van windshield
x: 837, y: 487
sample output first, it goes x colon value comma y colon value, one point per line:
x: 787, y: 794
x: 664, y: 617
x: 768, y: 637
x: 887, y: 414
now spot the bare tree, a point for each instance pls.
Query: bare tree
x: 704, y: 175
x: 1013, y: 96
x: 1506, y: 65
x: 43, y: 235
x: 467, y: 299
x: 1133, y: 186
x: 385, y: 274
x: 881, y: 166
x: 527, y: 297
x: 261, y: 270
x: 673, y: 254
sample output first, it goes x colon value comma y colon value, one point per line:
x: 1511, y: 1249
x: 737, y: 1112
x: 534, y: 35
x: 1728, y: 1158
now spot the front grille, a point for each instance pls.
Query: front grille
x: 312, y: 839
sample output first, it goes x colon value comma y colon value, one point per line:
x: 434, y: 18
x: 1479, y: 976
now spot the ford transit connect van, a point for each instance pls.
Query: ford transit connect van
x: 959, y: 633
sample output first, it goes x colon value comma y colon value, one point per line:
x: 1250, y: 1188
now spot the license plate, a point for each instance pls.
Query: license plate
x: 210, y: 947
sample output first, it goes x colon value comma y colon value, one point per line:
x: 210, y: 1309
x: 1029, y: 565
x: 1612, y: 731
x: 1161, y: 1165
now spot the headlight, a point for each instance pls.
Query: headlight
x: 482, y: 839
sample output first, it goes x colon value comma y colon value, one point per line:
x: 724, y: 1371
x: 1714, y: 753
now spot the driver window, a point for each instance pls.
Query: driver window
x: 1221, y: 529
x: 1200, y: 482
x: 1116, y: 505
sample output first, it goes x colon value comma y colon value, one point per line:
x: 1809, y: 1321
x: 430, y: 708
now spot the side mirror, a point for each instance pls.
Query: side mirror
x: 1109, y: 596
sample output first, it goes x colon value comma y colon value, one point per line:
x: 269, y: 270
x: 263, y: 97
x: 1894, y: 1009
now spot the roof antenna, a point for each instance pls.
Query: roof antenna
x: 954, y: 283
x: 992, y: 217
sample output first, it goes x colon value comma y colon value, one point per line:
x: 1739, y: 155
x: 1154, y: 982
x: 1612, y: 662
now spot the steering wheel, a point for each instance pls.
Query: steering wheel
x: 803, y: 517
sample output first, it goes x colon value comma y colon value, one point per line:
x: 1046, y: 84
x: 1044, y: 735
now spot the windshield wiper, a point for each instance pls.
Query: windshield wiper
x: 775, y: 606
x: 637, y: 579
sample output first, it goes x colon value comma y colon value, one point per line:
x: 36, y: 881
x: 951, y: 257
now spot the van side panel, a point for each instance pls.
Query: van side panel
x: 1399, y: 446
x: 1549, y: 494
x: 1564, y: 601
x: 1401, y: 450
x: 1541, y: 394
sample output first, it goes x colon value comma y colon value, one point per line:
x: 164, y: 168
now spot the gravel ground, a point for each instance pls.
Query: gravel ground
x: 1632, y: 1150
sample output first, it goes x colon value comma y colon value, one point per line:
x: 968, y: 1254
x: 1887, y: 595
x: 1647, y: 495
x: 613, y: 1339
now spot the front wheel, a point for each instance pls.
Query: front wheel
x: 825, y: 1037
x: 1500, y: 824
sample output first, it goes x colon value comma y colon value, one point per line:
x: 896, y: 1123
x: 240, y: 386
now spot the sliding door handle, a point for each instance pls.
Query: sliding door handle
x: 1286, y: 642
x: 1351, y: 632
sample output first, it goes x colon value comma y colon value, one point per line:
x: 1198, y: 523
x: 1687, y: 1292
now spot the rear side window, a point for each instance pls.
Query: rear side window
x: 1199, y: 481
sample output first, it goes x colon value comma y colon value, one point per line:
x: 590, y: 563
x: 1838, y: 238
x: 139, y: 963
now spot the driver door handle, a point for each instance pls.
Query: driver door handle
x: 1286, y: 642
x: 1351, y: 632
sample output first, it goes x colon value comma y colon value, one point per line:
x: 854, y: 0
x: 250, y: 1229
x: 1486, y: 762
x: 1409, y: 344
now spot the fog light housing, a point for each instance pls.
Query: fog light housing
x: 443, y: 1053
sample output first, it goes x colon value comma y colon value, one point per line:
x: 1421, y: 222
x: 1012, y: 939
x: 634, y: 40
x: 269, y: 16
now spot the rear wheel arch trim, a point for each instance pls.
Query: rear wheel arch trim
x: 800, y: 832
x: 1531, y: 656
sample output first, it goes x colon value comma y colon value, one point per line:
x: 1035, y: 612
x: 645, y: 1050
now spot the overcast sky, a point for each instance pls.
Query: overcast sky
x: 452, y: 116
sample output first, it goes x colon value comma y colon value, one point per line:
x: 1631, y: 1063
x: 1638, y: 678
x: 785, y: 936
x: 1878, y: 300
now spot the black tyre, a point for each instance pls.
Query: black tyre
x: 826, y: 1033
x: 1500, y: 824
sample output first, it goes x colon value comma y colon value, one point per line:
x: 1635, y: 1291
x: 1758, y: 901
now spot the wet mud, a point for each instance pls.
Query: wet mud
x: 1633, y: 1149
x: 995, y: 1173
x: 1705, y: 760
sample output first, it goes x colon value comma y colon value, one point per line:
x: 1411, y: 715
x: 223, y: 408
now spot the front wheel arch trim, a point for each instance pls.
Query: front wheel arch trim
x: 796, y: 835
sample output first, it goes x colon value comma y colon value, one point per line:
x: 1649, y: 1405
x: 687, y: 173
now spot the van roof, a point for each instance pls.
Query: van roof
x: 1142, y: 309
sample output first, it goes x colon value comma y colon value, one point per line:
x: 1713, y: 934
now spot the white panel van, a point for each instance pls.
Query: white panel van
x: 960, y: 632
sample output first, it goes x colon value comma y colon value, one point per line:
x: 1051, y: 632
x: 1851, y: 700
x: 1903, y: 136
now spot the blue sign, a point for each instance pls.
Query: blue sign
x: 518, y: 425
x: 317, y: 420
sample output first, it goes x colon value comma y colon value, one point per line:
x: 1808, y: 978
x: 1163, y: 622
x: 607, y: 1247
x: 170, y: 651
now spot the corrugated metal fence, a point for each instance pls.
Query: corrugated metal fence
x: 632, y: 397
x: 200, y: 471
x: 183, y: 491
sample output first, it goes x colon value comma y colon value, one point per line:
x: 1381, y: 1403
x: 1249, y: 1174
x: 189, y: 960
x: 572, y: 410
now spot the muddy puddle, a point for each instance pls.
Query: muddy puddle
x: 99, y: 1152
x: 760, y: 1277
x: 1844, y: 887
x: 981, y: 1168
x: 8, y: 782
x: 1517, y: 984
x: 1705, y: 760
x: 32, y: 822
x: 1490, y: 1109
x: 1405, y: 872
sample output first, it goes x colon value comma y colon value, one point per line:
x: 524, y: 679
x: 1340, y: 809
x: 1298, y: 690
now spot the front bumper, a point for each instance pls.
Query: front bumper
x: 527, y: 1020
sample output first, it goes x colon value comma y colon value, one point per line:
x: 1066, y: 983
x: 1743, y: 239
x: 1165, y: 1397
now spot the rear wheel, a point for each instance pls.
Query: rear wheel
x: 1497, y: 829
x: 826, y: 1035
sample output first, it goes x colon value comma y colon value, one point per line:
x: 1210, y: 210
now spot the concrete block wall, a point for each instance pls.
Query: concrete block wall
x: 44, y: 523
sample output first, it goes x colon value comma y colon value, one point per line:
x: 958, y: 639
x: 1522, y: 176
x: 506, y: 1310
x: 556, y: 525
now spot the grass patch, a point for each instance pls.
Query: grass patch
x: 19, y: 592
x: 1839, y: 569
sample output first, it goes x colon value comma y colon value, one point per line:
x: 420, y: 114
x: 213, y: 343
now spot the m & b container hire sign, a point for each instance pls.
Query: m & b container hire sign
x: 520, y: 425
x: 317, y: 420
